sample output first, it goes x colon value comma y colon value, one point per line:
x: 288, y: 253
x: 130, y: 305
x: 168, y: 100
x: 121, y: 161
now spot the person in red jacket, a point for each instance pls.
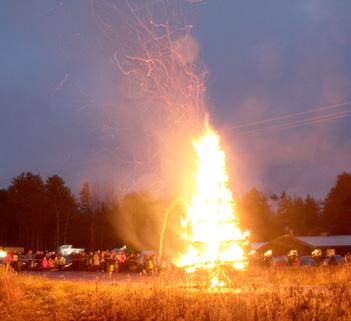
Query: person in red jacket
x: 8, y: 261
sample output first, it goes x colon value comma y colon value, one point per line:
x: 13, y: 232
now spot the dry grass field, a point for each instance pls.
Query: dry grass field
x: 284, y: 294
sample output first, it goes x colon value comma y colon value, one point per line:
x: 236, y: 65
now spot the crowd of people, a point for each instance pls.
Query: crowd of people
x: 97, y: 261
x: 132, y: 261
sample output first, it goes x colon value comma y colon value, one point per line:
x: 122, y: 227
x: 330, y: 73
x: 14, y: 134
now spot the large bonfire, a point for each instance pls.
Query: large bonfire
x: 212, y: 237
x: 158, y: 56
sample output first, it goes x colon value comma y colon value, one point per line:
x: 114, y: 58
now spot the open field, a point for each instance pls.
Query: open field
x: 285, y: 294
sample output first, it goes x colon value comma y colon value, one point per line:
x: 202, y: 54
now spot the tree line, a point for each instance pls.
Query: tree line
x: 38, y: 214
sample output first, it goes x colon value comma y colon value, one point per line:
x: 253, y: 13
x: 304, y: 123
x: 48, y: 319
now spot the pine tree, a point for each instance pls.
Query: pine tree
x: 337, y: 206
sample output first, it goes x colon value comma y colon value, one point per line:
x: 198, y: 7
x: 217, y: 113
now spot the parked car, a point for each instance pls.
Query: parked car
x: 307, y: 261
x: 278, y: 261
x: 334, y: 260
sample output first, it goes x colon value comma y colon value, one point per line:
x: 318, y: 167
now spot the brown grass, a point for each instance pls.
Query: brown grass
x: 285, y: 294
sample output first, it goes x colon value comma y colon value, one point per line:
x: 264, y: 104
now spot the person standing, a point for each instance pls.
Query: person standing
x: 45, y: 263
x: 29, y: 260
x: 8, y: 261
x: 14, y: 262
x: 96, y: 262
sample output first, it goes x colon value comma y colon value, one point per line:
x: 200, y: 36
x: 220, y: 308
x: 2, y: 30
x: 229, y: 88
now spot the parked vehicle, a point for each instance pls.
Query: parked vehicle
x: 278, y: 261
x: 334, y: 260
x: 307, y: 261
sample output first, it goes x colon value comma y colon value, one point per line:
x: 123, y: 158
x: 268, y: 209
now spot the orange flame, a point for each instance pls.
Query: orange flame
x: 3, y: 253
x: 210, y: 228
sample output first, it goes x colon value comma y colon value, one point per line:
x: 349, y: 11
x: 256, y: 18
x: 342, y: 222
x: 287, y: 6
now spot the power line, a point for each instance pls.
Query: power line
x: 291, y: 120
x: 292, y: 115
x: 302, y: 122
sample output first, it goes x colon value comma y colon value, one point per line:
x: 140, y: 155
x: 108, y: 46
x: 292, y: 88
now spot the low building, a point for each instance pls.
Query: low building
x: 305, y: 245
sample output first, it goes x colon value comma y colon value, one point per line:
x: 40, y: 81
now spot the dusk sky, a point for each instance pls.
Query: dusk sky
x: 278, y: 90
